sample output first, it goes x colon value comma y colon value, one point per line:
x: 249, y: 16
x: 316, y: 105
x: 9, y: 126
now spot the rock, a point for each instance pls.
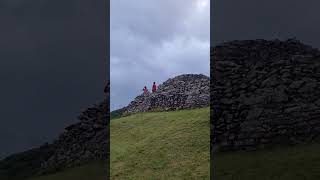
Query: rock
x: 254, y: 113
x: 296, y: 84
x: 264, y: 92
x: 82, y: 142
x: 186, y: 91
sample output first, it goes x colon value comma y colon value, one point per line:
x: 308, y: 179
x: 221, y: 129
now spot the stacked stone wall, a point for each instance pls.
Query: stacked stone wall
x: 264, y: 93
x: 182, y: 92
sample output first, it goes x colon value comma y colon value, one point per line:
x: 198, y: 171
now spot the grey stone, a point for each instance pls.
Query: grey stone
x: 271, y: 94
x: 182, y: 92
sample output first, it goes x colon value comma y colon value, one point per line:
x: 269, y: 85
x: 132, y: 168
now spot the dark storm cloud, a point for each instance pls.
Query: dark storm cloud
x: 251, y: 19
x: 155, y: 40
x: 52, y: 66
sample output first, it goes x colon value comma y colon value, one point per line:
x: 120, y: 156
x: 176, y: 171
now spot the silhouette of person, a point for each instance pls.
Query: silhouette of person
x: 154, y: 87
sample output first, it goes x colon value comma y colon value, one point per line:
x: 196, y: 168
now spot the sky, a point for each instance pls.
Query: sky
x: 154, y: 40
x: 52, y: 66
x: 271, y: 19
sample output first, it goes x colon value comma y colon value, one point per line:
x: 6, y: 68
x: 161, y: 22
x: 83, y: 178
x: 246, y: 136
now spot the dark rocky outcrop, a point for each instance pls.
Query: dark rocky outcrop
x: 25, y: 164
x: 84, y: 141
x: 80, y: 143
x: 264, y: 93
x: 181, y: 92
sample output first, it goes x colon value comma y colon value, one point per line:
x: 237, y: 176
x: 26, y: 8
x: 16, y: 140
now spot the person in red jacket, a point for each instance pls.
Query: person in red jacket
x: 154, y: 87
x: 145, y: 90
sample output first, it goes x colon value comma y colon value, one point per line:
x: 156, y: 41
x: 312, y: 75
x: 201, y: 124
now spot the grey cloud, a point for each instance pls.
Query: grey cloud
x: 154, y: 20
x: 52, y: 58
x: 250, y: 19
x: 153, y: 41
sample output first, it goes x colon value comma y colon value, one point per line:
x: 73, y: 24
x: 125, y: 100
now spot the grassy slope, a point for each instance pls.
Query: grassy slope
x: 290, y: 163
x: 116, y: 114
x: 175, y: 145
x: 295, y: 163
x: 161, y: 145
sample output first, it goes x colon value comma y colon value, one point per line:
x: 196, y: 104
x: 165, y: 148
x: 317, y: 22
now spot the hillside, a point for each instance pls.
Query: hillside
x: 87, y: 140
x: 280, y: 163
x: 117, y: 113
x: 294, y: 163
x: 161, y: 145
x: 92, y: 170
x: 81, y: 143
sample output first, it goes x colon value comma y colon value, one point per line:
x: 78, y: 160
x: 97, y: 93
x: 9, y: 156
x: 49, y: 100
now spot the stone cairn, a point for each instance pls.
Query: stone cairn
x: 182, y: 92
x: 82, y: 142
x: 264, y: 93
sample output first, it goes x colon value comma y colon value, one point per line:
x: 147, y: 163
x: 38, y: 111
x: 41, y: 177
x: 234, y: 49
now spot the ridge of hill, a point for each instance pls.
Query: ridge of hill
x: 117, y: 113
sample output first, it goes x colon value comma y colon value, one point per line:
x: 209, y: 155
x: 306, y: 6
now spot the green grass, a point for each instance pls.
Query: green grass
x: 175, y: 145
x: 161, y: 145
x: 94, y: 171
x: 286, y: 163
x: 116, y: 114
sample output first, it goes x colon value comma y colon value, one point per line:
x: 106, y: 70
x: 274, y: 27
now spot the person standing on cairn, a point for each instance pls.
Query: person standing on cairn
x: 154, y: 87
x: 145, y: 90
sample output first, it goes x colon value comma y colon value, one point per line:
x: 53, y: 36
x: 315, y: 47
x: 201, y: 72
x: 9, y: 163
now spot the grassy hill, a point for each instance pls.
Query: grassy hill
x: 175, y: 145
x: 285, y: 163
x: 161, y: 145
x: 94, y: 171
x: 117, y: 113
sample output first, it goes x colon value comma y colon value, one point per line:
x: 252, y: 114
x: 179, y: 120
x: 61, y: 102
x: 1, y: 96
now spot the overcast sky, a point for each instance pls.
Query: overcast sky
x: 265, y: 19
x: 52, y: 66
x: 153, y: 40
